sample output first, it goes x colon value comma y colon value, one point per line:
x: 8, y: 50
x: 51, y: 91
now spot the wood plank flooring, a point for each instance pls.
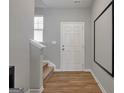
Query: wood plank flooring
x: 71, y: 82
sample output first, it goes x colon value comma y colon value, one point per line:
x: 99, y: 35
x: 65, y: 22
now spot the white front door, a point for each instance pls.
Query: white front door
x: 72, y: 46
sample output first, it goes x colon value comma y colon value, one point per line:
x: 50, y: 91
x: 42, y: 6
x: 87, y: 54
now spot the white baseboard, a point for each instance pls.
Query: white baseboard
x: 86, y: 70
x: 36, y: 90
x: 98, y: 82
x: 58, y: 70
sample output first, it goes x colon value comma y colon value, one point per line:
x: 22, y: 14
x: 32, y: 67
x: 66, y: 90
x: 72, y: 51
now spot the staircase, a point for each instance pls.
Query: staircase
x: 47, y: 70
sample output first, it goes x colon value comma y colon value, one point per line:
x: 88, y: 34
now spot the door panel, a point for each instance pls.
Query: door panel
x: 72, y: 46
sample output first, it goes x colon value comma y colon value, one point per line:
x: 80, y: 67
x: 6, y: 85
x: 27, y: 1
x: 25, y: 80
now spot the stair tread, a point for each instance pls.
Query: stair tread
x: 47, y: 71
x: 45, y: 64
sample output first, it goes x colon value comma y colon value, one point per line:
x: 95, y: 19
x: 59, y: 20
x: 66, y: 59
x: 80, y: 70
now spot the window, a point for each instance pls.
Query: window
x: 38, y: 29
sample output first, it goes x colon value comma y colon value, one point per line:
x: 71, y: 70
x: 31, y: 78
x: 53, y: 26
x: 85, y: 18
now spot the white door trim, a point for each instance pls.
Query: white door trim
x: 61, y: 43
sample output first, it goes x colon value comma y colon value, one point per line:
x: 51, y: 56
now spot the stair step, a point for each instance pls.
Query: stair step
x: 45, y: 65
x: 48, y: 71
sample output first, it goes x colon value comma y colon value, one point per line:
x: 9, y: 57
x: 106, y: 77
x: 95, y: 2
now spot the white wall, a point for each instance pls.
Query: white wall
x: 53, y: 17
x: 106, y: 80
x: 21, y: 30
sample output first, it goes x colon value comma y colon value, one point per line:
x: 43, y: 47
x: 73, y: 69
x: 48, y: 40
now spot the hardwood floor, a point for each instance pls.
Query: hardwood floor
x: 71, y: 82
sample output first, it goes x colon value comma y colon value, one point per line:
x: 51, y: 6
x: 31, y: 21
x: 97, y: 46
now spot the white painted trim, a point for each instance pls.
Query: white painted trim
x: 98, y: 82
x: 86, y: 70
x: 58, y: 70
x: 37, y: 90
x: 41, y: 89
x: 83, y: 67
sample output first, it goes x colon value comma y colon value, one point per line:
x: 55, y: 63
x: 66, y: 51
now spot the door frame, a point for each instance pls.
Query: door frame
x: 83, y: 29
